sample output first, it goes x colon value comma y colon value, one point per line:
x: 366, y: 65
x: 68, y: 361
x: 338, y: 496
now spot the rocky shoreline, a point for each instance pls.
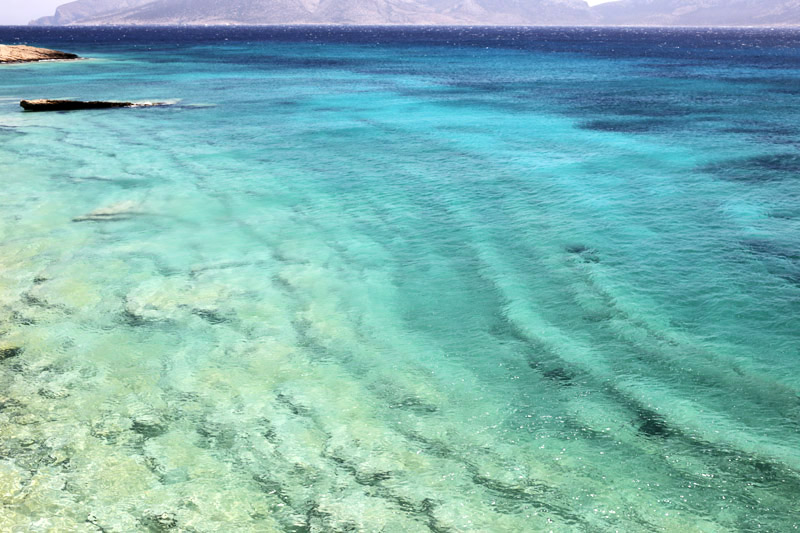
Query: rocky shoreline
x: 27, y: 54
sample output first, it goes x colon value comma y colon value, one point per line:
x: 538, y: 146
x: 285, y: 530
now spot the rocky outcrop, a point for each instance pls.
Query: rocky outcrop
x: 68, y: 105
x: 23, y: 54
x: 73, y: 105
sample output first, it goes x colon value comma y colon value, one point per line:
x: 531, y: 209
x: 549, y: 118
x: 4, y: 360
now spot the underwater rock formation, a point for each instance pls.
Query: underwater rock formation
x: 118, y: 211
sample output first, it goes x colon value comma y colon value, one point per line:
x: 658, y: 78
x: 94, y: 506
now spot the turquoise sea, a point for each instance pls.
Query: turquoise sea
x: 402, y: 280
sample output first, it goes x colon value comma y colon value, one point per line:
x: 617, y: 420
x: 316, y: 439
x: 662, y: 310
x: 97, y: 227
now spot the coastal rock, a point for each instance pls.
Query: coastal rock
x: 72, y: 105
x: 26, y: 54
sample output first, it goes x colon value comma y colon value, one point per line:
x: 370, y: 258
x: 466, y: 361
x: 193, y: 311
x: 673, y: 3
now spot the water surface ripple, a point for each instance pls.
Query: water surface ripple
x: 402, y: 280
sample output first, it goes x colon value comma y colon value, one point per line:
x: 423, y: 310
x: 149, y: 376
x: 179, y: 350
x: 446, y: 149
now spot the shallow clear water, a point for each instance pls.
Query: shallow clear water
x: 402, y: 280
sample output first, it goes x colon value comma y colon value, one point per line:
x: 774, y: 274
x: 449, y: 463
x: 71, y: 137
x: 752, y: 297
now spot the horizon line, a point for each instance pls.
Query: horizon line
x: 391, y: 25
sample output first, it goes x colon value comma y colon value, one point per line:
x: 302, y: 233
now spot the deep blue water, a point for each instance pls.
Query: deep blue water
x: 402, y: 279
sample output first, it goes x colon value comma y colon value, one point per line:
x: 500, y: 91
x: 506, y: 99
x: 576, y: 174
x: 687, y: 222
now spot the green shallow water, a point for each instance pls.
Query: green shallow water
x: 402, y: 280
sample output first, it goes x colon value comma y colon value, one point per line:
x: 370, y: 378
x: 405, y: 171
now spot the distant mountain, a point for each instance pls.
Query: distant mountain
x: 491, y: 12
x: 75, y: 12
x: 456, y: 12
x: 700, y: 12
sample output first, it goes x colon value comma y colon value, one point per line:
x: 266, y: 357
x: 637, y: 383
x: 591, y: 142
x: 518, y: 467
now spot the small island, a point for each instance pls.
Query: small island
x: 26, y: 54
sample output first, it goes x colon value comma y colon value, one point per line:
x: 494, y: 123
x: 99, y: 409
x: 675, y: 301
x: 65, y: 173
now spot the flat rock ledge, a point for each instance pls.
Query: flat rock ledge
x: 25, y: 54
x: 73, y: 105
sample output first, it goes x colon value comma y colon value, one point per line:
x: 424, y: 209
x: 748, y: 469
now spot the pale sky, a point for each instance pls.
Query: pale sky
x: 23, y: 11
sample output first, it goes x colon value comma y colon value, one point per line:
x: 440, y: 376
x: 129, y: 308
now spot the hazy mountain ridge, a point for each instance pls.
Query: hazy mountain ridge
x: 343, y: 12
x: 455, y: 12
x: 701, y: 12
x: 83, y: 9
